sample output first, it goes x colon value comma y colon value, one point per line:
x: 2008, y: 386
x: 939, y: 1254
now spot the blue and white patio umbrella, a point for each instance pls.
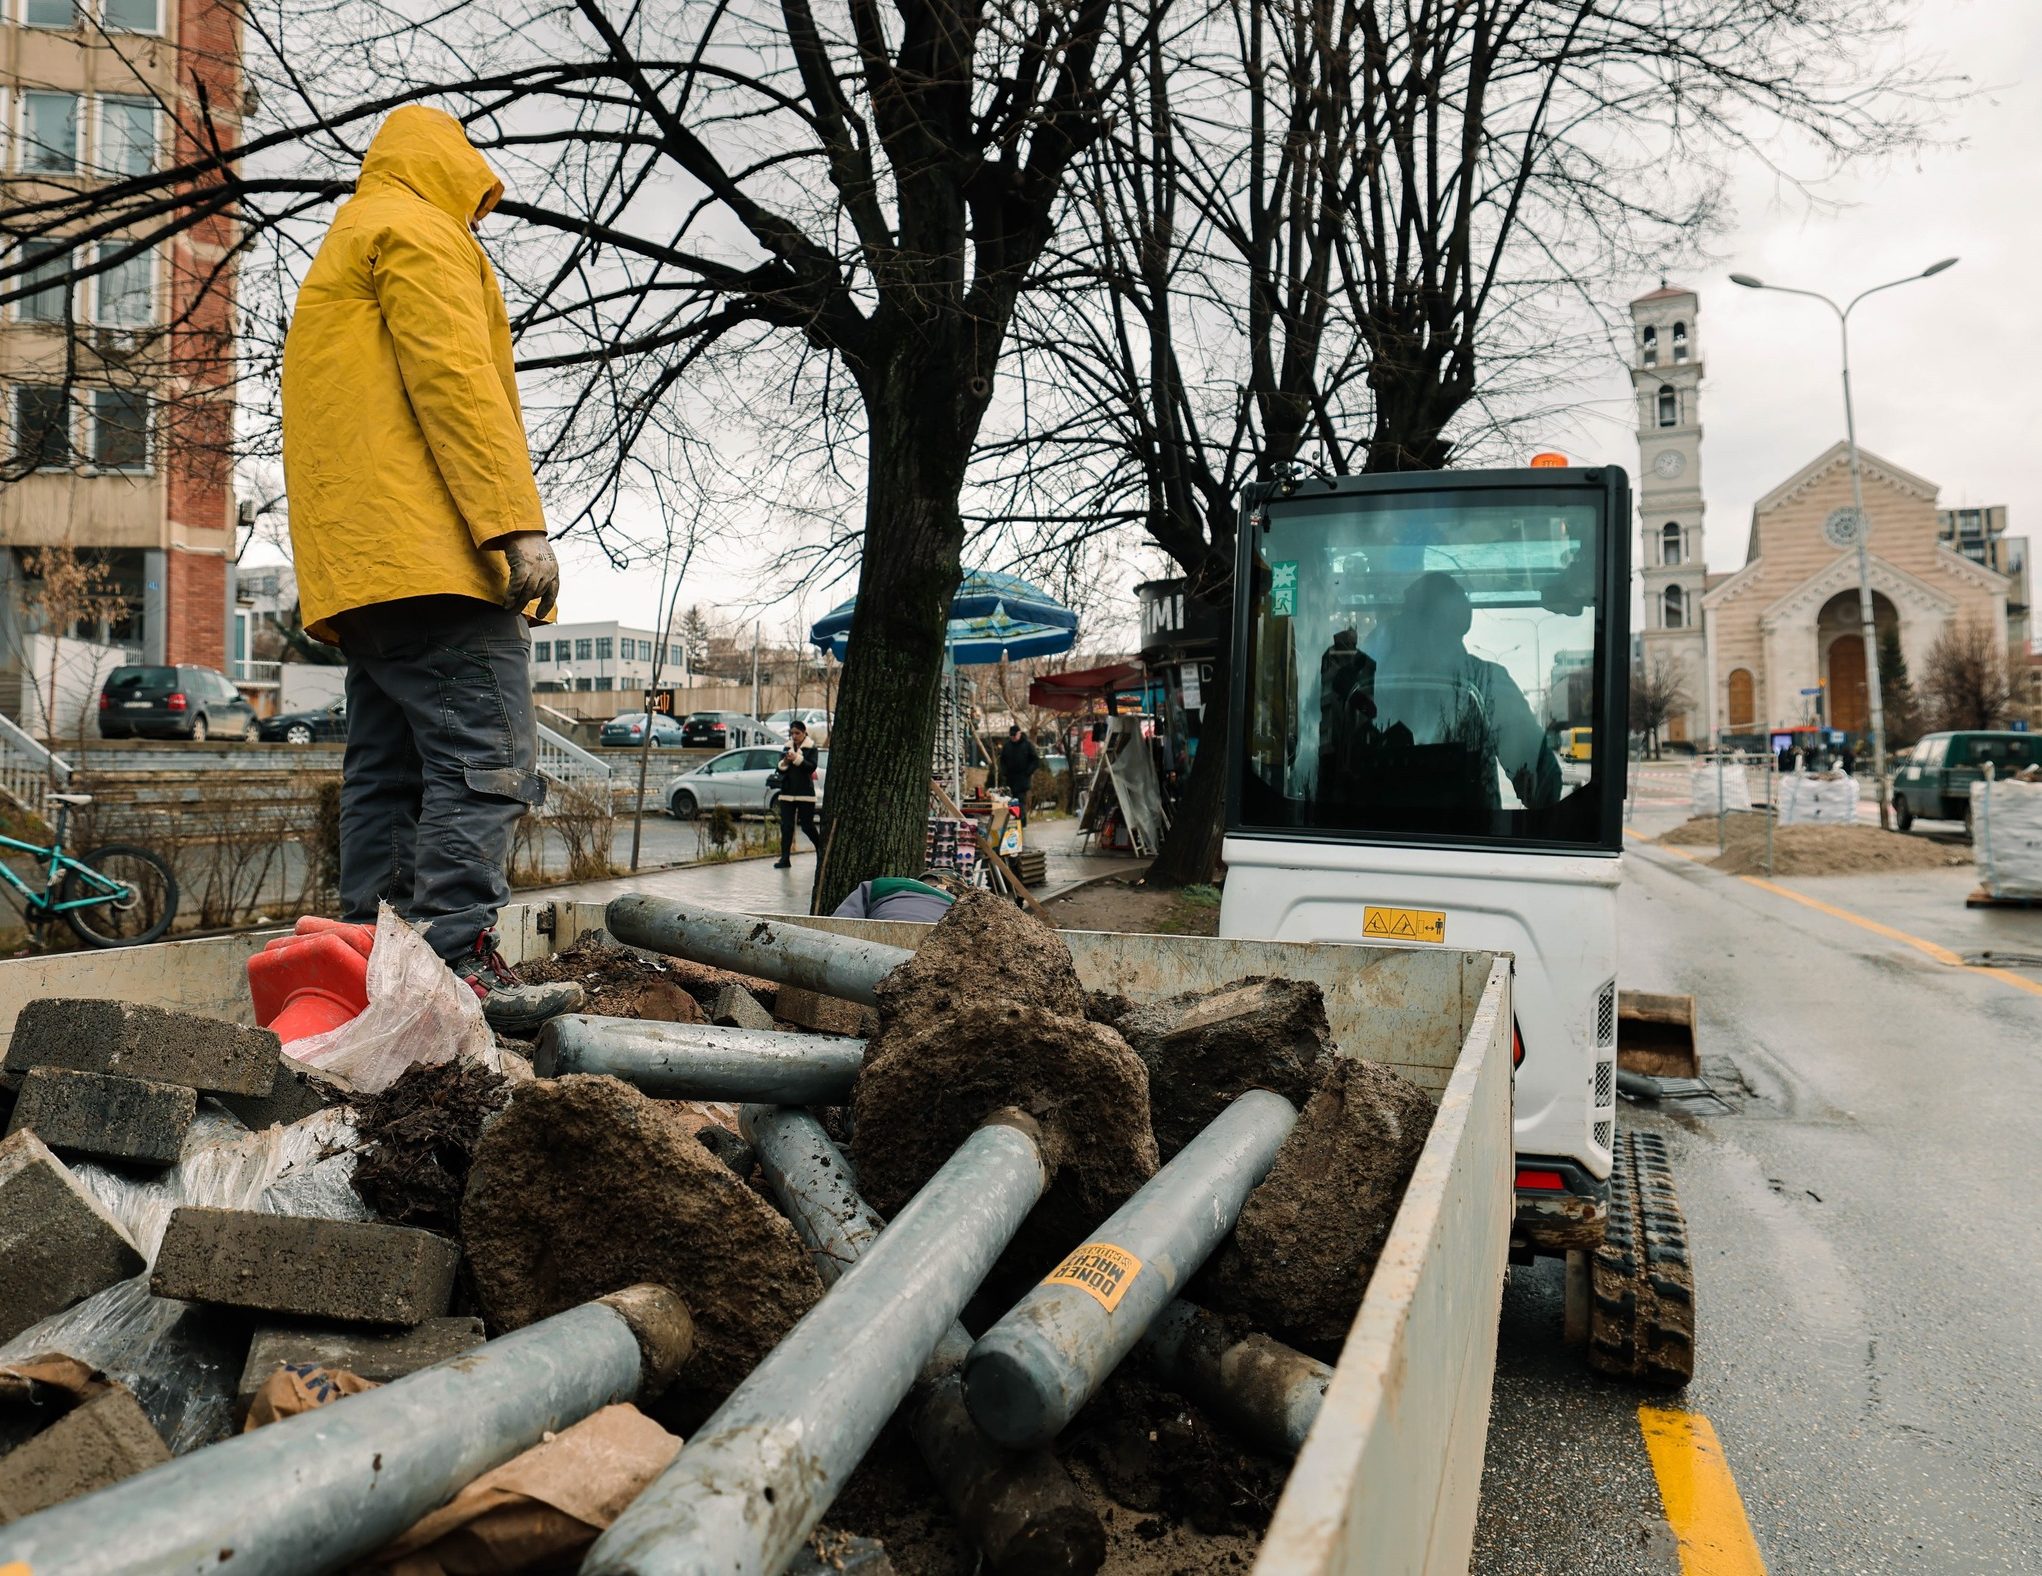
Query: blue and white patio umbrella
x: 991, y: 616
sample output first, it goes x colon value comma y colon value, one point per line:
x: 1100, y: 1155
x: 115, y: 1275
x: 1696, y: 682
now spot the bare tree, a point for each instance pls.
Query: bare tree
x: 1966, y: 683
x: 1658, y: 691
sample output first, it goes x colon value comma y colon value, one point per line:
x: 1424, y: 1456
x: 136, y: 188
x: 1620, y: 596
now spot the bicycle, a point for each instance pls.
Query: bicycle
x: 128, y: 892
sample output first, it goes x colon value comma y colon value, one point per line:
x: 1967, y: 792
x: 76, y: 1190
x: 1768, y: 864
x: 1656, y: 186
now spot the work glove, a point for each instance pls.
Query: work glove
x: 534, y: 571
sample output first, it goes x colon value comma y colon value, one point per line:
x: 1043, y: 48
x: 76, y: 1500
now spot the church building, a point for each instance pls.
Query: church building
x: 1777, y: 643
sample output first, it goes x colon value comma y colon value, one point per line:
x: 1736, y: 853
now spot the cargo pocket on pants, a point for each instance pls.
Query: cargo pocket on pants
x: 507, y: 782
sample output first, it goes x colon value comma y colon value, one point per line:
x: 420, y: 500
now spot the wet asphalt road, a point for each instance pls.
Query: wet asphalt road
x: 1864, y: 1216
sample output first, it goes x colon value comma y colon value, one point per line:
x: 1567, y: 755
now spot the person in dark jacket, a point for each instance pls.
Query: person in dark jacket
x: 1018, y: 761
x: 797, y: 792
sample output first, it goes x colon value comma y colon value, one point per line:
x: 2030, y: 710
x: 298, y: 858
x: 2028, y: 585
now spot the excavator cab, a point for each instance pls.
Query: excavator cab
x: 1414, y: 653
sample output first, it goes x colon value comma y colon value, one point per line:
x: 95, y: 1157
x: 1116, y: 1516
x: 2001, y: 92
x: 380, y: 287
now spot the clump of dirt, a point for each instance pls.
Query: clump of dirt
x: 1203, y: 1049
x: 983, y: 949
x: 585, y: 1186
x: 622, y: 983
x: 1149, y: 1450
x: 1813, y: 850
x: 929, y: 1080
x: 1307, y: 1242
x: 419, y: 1137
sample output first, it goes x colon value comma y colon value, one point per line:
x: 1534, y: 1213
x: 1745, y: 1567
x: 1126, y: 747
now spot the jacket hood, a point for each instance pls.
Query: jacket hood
x: 426, y: 152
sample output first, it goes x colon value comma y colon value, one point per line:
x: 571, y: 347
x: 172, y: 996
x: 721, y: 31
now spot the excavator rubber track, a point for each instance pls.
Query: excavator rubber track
x: 1641, y: 1282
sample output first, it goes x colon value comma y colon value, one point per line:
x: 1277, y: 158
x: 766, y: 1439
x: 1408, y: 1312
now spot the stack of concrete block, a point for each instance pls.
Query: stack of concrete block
x: 58, y: 1244
x: 112, y: 1081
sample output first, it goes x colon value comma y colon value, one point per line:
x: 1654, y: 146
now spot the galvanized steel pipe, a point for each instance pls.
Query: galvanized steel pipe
x: 759, y: 1474
x: 327, y: 1488
x: 1029, y: 1374
x: 1019, y: 1508
x: 767, y: 949
x: 699, y: 1061
x: 1268, y: 1391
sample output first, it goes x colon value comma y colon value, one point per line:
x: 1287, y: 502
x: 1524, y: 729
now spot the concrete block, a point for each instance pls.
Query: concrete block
x: 298, y: 1092
x: 352, y: 1271
x: 58, y: 1245
x: 133, y: 1041
x: 377, y: 1357
x: 89, y: 1448
x: 806, y: 1009
x: 101, y: 1118
x: 737, y: 1008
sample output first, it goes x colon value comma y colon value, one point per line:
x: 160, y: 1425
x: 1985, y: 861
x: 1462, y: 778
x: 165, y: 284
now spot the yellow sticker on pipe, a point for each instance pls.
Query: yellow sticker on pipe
x: 1100, y: 1269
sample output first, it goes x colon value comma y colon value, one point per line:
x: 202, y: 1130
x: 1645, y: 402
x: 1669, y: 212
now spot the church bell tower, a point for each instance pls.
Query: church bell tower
x: 1666, y: 375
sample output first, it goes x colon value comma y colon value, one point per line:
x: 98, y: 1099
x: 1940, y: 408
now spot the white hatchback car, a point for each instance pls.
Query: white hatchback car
x: 736, y: 778
x: 813, y: 718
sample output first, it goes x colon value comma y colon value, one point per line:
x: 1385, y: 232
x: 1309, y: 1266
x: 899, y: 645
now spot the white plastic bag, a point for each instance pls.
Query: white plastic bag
x: 418, y: 1012
x: 1807, y: 799
x: 1703, y: 778
x: 2006, y: 837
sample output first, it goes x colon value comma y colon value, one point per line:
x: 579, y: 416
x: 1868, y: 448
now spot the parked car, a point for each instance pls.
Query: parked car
x: 721, y: 730
x: 1936, y: 781
x: 736, y: 778
x: 307, y: 727
x: 813, y: 718
x: 173, y: 703
x: 629, y: 728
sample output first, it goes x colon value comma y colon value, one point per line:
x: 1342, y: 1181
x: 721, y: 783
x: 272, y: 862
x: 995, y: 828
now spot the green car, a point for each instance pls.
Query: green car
x: 1936, y: 780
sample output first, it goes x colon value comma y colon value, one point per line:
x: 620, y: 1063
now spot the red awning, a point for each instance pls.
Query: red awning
x: 1074, y: 691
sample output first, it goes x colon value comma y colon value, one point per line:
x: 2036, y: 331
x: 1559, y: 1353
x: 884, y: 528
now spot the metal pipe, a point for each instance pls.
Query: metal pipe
x: 1020, y: 1509
x: 1269, y: 1392
x: 1030, y: 1373
x: 699, y: 1061
x: 759, y: 1474
x: 322, y: 1490
x: 767, y: 949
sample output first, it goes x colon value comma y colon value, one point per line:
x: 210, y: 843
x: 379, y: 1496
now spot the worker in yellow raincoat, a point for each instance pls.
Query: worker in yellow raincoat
x: 421, y: 547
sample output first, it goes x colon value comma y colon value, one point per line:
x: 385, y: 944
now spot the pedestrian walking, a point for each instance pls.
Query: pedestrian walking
x: 1018, y: 761
x: 797, y: 792
x: 421, y: 548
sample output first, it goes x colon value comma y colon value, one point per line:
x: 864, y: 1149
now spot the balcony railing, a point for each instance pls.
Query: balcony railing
x: 263, y: 673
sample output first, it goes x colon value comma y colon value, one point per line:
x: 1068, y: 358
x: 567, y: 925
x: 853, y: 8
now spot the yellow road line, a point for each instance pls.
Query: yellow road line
x: 1935, y: 950
x: 1700, y: 1495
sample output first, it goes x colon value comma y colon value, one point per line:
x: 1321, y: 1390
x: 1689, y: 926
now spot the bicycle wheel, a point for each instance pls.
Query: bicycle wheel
x: 143, y: 915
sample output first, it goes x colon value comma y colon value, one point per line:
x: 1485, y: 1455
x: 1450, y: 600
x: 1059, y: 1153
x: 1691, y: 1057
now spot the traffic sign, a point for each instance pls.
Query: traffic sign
x: 1811, y: 692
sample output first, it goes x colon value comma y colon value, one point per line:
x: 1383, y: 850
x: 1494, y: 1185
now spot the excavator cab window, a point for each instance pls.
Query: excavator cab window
x: 1415, y: 659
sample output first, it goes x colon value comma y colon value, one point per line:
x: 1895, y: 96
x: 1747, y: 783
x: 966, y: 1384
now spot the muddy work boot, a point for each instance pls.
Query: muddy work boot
x: 508, y: 1004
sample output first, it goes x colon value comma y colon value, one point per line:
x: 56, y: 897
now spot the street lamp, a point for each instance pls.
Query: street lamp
x: 1867, y: 634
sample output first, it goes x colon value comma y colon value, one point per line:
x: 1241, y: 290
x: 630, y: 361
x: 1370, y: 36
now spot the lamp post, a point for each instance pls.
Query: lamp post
x: 1868, y: 634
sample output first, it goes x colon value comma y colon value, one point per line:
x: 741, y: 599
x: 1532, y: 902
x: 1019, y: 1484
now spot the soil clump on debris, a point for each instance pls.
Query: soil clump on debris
x: 1814, y: 850
x: 585, y: 1186
x: 418, y: 1139
x: 621, y: 982
x: 1307, y: 1242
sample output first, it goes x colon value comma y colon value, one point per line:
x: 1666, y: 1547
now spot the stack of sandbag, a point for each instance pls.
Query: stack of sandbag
x: 2006, y: 837
x: 1818, y: 799
x: 1705, y: 780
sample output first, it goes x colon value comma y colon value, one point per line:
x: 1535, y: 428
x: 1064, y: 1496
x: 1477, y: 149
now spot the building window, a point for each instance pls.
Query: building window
x: 581, y: 650
x: 605, y: 682
x: 584, y: 685
x: 1669, y: 406
x: 1680, y: 342
x: 120, y: 430
x: 1651, y: 347
x: 1669, y: 542
x: 49, y: 13
x: 560, y: 652
x: 542, y: 650
x: 1742, y: 693
x: 673, y: 655
x: 49, y: 133
x: 126, y: 290
x: 603, y: 648
x: 131, y: 16
x: 127, y: 136
x: 50, y: 260
x: 1674, y: 608
x: 42, y: 427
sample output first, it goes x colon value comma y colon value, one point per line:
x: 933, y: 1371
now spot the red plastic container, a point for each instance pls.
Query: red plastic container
x: 312, y: 980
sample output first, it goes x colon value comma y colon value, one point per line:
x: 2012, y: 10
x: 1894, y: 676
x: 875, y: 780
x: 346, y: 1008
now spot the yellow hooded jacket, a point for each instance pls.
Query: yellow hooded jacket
x: 404, y: 445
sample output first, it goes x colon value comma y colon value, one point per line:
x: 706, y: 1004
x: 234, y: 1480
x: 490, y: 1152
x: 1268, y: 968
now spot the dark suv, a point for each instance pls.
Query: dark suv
x: 173, y: 703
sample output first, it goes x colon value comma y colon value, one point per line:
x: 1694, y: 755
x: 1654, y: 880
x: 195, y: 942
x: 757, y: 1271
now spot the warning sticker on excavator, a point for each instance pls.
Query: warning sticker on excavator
x: 1403, y: 924
x: 1100, y: 1269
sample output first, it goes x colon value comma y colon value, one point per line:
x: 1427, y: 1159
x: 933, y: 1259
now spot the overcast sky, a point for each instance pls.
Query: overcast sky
x: 1933, y: 360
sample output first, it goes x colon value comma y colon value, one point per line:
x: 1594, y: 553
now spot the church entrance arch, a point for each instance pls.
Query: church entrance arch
x: 1838, y: 636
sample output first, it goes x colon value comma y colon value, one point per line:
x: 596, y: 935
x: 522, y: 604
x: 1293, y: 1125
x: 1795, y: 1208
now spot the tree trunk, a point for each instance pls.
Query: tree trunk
x: 883, y: 734
x: 1190, y: 854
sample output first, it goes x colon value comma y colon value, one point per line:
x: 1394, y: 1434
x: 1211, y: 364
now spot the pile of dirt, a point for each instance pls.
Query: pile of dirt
x: 1307, y: 1242
x: 585, y: 1186
x: 989, y: 1015
x: 418, y: 1140
x: 620, y: 982
x: 1814, y: 850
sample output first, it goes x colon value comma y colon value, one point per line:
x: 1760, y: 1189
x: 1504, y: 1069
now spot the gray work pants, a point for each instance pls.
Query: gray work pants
x: 441, y: 757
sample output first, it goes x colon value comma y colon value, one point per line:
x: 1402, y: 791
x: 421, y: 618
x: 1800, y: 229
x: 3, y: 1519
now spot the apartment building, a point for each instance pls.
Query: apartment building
x: 116, y: 405
x: 601, y: 657
x: 1980, y: 534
